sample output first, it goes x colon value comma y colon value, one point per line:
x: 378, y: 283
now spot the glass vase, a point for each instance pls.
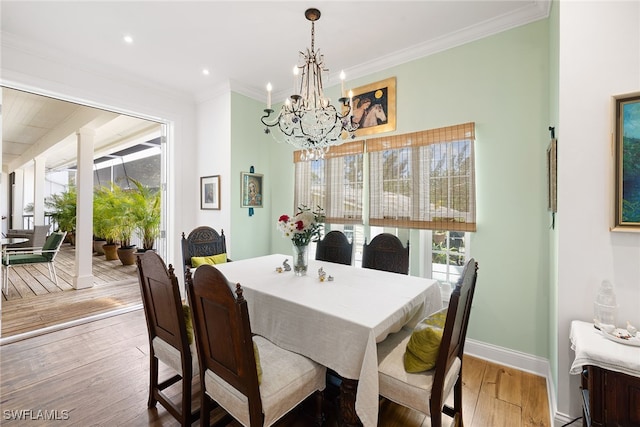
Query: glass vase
x: 300, y: 260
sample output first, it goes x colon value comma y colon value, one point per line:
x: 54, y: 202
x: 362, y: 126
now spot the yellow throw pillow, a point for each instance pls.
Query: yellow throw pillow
x: 256, y: 355
x: 187, y: 320
x: 423, y: 346
x: 197, y: 261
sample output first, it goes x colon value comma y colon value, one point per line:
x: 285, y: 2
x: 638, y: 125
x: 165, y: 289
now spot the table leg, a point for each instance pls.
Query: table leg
x: 348, y: 416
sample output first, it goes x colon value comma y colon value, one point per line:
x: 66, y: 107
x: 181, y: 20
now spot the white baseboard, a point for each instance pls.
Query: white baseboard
x: 523, y: 362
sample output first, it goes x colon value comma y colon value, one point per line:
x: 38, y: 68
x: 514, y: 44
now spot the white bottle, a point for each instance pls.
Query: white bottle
x: 605, y: 306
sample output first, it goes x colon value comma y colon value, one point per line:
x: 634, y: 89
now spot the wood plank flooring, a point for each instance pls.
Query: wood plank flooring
x: 34, y: 301
x: 97, y: 374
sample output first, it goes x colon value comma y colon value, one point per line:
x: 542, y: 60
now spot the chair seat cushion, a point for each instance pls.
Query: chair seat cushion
x: 408, y: 389
x: 287, y: 379
x: 24, y: 259
x: 170, y: 356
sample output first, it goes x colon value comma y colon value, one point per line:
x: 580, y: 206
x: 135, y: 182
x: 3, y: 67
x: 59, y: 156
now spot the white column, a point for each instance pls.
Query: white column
x: 83, y: 275
x: 18, y: 200
x: 38, y: 190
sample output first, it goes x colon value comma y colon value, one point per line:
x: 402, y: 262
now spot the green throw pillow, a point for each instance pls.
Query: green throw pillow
x: 187, y: 320
x: 423, y: 346
x: 256, y: 355
x: 197, y: 261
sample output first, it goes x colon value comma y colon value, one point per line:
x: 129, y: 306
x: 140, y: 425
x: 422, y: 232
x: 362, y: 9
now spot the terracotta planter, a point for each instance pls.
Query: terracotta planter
x: 127, y: 255
x: 97, y: 246
x: 110, y: 252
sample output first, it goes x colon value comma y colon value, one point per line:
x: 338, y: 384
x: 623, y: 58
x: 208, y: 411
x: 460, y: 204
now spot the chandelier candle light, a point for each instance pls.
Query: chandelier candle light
x: 307, y: 120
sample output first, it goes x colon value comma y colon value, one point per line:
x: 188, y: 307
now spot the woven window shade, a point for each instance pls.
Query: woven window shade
x: 334, y: 183
x: 424, y: 179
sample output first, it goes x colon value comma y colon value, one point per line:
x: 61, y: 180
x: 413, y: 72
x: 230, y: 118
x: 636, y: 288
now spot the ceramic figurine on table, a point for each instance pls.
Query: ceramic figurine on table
x: 321, y: 274
x: 286, y: 265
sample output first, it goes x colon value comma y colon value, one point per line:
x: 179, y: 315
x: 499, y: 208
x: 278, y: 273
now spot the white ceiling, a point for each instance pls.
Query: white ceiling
x: 244, y: 44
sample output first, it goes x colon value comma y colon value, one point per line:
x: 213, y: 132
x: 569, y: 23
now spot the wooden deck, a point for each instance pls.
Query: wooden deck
x: 34, y: 301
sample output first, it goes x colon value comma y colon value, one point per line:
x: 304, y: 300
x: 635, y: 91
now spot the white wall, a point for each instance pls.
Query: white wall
x: 599, y: 56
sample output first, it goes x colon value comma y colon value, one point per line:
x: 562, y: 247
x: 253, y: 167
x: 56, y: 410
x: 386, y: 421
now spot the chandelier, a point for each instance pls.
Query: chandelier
x: 307, y: 120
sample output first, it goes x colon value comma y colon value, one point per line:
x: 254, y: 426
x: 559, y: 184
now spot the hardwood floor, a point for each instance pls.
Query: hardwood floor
x: 97, y: 374
x: 34, y: 301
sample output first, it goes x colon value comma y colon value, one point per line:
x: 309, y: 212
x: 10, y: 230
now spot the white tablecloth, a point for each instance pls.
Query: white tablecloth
x: 335, y: 323
x: 592, y: 348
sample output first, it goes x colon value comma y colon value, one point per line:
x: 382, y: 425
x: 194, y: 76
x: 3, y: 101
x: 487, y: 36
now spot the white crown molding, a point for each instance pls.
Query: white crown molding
x: 529, y: 13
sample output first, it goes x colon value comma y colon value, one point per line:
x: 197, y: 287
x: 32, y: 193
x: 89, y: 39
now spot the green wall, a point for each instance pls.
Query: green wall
x: 502, y: 84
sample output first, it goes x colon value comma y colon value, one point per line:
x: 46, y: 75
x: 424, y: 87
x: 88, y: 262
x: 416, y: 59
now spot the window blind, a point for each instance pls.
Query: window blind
x: 424, y: 179
x: 334, y: 183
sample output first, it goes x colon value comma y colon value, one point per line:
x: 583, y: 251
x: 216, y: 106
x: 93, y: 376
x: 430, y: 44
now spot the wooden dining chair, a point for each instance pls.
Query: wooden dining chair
x: 202, y: 241
x: 254, y: 380
x: 168, y: 336
x: 426, y: 391
x: 386, y: 253
x: 334, y: 247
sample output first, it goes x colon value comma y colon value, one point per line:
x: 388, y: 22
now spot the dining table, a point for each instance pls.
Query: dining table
x: 335, y: 320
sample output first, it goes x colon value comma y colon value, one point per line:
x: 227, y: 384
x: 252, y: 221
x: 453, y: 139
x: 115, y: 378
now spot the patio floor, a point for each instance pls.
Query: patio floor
x: 34, y: 301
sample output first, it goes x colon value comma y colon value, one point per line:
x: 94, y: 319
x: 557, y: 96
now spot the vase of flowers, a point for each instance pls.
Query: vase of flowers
x: 302, y: 228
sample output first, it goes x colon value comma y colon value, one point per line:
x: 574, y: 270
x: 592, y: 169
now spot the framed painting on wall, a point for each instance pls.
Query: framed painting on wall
x: 627, y: 166
x: 374, y: 107
x: 251, y: 188
x: 210, y: 192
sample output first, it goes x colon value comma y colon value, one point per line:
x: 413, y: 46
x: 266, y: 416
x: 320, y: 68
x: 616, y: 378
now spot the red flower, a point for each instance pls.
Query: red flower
x: 284, y: 218
x: 299, y: 225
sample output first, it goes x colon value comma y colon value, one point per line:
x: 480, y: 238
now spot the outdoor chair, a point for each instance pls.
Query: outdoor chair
x: 46, y: 254
x: 37, y: 236
x: 426, y: 390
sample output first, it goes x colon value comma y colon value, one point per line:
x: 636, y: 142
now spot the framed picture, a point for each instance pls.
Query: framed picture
x: 627, y: 169
x: 210, y: 192
x: 552, y: 175
x: 374, y: 107
x: 251, y: 186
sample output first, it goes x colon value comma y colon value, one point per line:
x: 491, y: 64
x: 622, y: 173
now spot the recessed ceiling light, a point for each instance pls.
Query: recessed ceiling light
x: 205, y: 71
x: 128, y: 39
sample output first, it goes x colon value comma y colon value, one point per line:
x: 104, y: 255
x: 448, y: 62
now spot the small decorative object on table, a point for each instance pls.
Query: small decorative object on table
x: 286, y: 265
x: 321, y: 274
x: 303, y: 228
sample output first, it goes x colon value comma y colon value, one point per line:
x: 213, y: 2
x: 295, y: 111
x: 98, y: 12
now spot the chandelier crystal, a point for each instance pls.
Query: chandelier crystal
x: 307, y: 120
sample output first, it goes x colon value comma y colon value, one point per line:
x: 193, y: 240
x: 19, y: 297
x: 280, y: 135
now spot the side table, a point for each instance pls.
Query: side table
x: 610, y: 378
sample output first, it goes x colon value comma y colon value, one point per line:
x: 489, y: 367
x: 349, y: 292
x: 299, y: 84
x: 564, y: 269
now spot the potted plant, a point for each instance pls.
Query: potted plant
x: 63, y: 208
x: 146, y: 214
x: 113, y: 212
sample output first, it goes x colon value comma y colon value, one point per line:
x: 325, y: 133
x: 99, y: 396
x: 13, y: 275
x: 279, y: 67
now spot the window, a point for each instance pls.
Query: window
x: 422, y: 180
x: 335, y: 183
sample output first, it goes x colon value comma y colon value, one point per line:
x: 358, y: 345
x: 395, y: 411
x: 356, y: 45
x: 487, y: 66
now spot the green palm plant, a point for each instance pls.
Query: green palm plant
x: 112, y: 214
x: 146, y: 213
x: 63, y: 207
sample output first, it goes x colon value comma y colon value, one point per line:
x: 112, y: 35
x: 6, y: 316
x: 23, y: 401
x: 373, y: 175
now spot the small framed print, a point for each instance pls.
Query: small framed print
x: 210, y: 192
x: 251, y: 190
